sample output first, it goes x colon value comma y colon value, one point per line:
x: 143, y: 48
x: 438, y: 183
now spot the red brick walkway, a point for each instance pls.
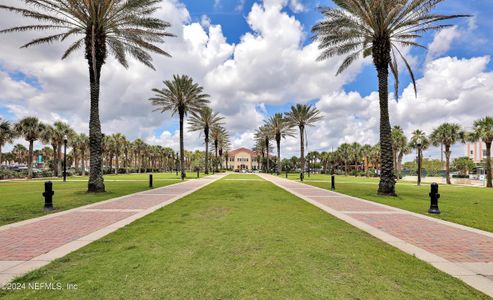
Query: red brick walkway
x: 461, y: 251
x: 30, y: 244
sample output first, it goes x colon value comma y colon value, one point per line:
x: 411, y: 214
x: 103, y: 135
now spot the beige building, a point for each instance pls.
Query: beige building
x: 242, y: 159
x: 476, y: 152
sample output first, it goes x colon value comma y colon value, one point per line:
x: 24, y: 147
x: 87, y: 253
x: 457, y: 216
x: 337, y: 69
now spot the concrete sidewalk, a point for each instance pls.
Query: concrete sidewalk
x: 31, y: 244
x: 463, y: 252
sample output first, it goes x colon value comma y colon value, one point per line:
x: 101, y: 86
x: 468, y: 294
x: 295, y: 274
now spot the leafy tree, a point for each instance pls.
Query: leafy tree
x: 447, y: 134
x: 344, y: 153
x: 118, y: 27
x: 301, y: 116
x: 464, y: 165
x: 180, y: 96
x: 204, y: 120
x: 31, y: 129
x: 377, y: 29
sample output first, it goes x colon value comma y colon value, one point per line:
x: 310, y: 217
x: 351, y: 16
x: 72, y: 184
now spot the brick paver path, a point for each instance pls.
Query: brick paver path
x: 463, y: 252
x: 30, y: 244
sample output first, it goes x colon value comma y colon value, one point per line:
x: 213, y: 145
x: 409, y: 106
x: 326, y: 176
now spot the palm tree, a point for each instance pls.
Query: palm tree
x: 60, y: 132
x: 204, y: 120
x: 219, y: 136
x: 83, y: 143
x: 366, y: 152
x: 119, y: 27
x: 180, y: 96
x: 20, y: 153
x: 31, y: 129
x: 399, y: 148
x: 118, y: 143
x: 303, y: 115
x: 483, y: 131
x: 264, y: 135
x: 447, y: 134
x: 345, y: 153
x: 378, y: 29
x: 281, y: 129
x: 7, y: 135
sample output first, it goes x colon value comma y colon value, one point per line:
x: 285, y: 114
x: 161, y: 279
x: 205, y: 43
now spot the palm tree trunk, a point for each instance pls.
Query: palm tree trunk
x: 346, y: 168
x: 489, y: 180
x: 302, y: 151
x: 182, y: 147
x: 278, y: 141
x: 117, y: 163
x: 268, y: 156
x: 447, y: 163
x: 215, y: 162
x: 381, y: 58
x: 206, y: 133
x: 83, y: 163
x: 0, y: 154
x: 95, y: 53
x: 30, y: 160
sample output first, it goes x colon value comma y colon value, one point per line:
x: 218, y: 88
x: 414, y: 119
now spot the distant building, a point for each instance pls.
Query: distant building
x: 242, y: 159
x: 476, y: 151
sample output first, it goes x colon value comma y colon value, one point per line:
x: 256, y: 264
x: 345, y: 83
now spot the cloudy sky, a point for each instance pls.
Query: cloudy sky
x: 256, y: 58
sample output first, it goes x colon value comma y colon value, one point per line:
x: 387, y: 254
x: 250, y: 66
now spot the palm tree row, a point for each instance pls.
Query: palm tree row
x: 116, y: 147
x: 280, y: 126
x: 446, y: 135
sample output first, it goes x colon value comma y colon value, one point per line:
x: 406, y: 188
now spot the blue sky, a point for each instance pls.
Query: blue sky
x: 456, y: 76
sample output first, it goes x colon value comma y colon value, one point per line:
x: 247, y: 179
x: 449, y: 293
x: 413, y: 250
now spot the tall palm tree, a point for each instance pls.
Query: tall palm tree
x: 180, y: 96
x: 301, y: 116
x: 7, y: 135
x: 219, y: 137
x: 264, y: 135
x: 83, y: 143
x: 31, y: 129
x: 118, y: 27
x: 483, y: 131
x: 118, y: 143
x: 366, y: 152
x: 378, y: 29
x: 447, y: 134
x: 204, y: 120
x: 61, y: 131
x: 20, y: 153
x: 345, y: 153
x: 399, y: 148
x: 281, y: 129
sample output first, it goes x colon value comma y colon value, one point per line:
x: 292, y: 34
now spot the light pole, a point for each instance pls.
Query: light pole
x: 419, y: 143
x: 64, y: 158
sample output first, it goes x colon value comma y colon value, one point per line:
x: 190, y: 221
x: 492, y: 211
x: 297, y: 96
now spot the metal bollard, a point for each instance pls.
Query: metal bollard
x: 150, y: 181
x: 434, y: 196
x: 302, y: 176
x: 333, y: 183
x: 48, y: 195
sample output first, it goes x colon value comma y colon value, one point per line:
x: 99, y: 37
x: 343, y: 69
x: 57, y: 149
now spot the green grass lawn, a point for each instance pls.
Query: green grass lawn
x: 237, y: 239
x: 470, y: 206
x: 21, y: 200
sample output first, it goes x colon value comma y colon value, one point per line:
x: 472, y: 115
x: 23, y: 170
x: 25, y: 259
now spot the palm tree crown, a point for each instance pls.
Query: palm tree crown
x: 7, y: 135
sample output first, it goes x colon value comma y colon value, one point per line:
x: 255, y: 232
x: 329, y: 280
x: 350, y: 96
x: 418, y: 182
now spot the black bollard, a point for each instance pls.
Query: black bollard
x: 434, y: 196
x: 198, y: 172
x: 302, y: 176
x: 48, y: 194
x: 333, y: 183
x: 150, y: 181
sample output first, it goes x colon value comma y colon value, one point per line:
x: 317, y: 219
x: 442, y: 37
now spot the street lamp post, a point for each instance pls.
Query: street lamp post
x: 65, y: 158
x: 419, y: 143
